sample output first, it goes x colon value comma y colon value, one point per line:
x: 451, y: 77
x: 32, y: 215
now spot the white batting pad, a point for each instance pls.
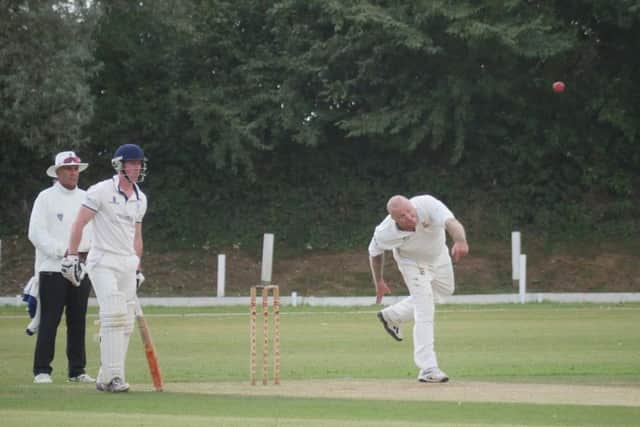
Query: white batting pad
x: 113, y: 325
x: 131, y: 313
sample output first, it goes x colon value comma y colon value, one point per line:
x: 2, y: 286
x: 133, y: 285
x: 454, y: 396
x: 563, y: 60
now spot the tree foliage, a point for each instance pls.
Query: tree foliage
x: 45, y: 65
x: 304, y: 116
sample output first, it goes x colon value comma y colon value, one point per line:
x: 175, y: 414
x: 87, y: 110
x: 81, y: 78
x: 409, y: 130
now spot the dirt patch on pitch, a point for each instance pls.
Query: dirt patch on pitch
x: 414, y: 391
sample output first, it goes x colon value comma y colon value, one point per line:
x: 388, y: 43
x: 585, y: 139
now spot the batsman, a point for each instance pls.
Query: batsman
x: 116, y: 207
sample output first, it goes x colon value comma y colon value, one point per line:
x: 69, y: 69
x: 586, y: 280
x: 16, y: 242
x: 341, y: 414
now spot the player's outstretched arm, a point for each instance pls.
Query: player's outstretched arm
x: 84, y: 216
x: 376, y: 263
x: 460, y: 247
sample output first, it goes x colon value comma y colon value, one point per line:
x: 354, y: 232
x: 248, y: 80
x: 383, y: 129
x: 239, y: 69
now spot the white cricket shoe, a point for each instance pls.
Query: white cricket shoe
x: 432, y: 375
x: 82, y: 378
x: 392, y: 328
x: 116, y: 385
x: 42, y: 379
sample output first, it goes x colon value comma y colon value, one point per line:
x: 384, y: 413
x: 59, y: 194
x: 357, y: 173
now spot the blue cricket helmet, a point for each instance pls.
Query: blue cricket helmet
x: 129, y: 152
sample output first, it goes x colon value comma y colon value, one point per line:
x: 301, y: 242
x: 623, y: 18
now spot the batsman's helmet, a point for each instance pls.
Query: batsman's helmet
x: 126, y: 153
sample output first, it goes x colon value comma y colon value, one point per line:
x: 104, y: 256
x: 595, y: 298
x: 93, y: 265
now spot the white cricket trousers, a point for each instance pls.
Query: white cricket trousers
x: 114, y: 282
x: 424, y: 283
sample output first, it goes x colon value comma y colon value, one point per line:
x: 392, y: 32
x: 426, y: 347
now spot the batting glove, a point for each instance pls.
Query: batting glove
x: 72, y: 269
x: 139, y: 279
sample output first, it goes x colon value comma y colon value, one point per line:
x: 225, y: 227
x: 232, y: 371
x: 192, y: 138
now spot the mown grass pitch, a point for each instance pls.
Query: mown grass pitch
x: 510, y: 365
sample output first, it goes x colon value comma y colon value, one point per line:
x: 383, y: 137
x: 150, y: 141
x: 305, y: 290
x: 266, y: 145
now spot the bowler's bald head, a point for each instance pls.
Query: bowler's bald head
x: 402, y: 212
x: 397, y: 203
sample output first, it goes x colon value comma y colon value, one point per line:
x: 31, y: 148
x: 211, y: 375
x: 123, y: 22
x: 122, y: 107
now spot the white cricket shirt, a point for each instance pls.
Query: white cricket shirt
x: 426, y: 245
x: 114, y: 225
x: 54, y: 210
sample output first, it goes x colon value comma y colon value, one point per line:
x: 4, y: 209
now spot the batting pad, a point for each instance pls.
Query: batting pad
x: 131, y: 314
x: 113, y: 326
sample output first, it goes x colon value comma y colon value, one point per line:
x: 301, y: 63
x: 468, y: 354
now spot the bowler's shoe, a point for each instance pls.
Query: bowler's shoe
x: 392, y: 329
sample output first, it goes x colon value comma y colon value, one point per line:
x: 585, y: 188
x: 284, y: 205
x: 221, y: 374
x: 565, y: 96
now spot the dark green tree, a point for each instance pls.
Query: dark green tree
x: 312, y: 112
x: 45, y: 64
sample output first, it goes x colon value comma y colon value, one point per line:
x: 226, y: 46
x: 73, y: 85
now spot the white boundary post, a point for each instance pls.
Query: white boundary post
x: 267, y: 258
x: 515, y: 254
x: 221, y: 274
x: 522, y: 288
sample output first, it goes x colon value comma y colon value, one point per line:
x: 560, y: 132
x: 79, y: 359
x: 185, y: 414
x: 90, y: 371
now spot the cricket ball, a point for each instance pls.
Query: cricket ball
x: 558, y: 87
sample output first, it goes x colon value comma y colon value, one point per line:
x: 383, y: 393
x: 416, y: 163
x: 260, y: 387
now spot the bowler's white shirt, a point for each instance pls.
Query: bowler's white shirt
x: 54, y: 210
x: 114, y: 223
x: 427, y: 245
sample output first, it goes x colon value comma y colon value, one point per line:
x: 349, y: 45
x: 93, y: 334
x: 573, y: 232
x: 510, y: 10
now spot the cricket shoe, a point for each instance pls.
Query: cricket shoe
x: 392, y: 329
x: 82, y: 378
x: 116, y: 385
x: 42, y: 379
x: 432, y: 375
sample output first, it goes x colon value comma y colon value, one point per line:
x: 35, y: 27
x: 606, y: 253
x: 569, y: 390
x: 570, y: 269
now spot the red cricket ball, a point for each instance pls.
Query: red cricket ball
x: 558, y: 87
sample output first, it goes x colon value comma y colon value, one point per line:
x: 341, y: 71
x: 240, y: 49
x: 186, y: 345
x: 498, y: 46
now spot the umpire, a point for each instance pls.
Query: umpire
x: 49, y: 227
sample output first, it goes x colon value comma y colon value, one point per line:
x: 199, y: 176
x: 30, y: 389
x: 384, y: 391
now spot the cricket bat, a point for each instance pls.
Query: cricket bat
x: 149, y: 350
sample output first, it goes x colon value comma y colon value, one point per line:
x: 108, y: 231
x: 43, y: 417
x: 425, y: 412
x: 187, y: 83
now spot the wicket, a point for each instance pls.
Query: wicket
x: 265, y: 333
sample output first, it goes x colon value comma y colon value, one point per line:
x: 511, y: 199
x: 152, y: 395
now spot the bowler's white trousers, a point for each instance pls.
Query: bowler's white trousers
x: 114, y: 282
x: 424, y: 283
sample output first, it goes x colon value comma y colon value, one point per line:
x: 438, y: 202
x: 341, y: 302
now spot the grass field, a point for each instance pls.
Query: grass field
x: 531, y: 365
